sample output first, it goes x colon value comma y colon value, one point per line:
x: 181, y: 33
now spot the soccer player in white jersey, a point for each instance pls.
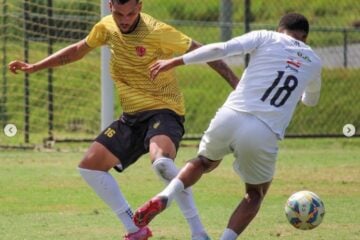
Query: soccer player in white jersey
x: 282, y: 70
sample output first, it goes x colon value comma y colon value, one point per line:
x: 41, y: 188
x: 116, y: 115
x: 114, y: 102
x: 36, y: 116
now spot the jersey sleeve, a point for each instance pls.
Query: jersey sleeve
x: 98, y: 36
x: 236, y: 46
x: 246, y: 43
x: 174, y: 41
x: 311, y: 95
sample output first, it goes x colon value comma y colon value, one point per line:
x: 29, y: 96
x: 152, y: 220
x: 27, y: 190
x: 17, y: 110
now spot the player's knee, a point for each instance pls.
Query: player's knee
x: 161, y: 146
x: 255, y: 194
x: 160, y: 154
x: 85, y: 162
x: 98, y: 159
x: 206, y: 164
x: 255, y: 197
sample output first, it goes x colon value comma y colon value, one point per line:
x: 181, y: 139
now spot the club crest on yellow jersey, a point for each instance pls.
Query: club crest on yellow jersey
x: 140, y: 51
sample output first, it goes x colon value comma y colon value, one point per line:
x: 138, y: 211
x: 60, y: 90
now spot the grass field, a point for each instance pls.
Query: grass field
x: 43, y: 197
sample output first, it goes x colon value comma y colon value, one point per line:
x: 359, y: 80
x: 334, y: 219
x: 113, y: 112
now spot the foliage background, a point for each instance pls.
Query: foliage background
x: 335, y: 36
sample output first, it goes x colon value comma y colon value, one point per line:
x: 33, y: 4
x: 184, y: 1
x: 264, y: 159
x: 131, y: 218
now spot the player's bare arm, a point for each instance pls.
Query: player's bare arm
x: 220, y: 67
x: 64, y: 56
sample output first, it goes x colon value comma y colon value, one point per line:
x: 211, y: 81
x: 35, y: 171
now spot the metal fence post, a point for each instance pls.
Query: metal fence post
x: 345, y: 32
x: 107, y: 86
x: 226, y: 19
x: 247, y: 19
x: 50, y: 33
x: 3, y: 100
x: 26, y: 77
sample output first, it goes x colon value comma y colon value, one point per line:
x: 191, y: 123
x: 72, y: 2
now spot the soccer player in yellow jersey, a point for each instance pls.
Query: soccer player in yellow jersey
x: 153, y: 111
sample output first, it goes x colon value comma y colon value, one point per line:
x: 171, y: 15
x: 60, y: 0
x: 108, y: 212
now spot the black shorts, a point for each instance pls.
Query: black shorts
x: 128, y: 138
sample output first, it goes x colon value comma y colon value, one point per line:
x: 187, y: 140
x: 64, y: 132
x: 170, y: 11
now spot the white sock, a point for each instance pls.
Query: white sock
x: 229, y: 234
x: 106, y: 187
x: 166, y: 170
x: 172, y: 189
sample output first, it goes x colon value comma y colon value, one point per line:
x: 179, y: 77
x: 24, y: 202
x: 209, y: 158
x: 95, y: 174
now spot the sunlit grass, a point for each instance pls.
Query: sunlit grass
x: 43, y: 197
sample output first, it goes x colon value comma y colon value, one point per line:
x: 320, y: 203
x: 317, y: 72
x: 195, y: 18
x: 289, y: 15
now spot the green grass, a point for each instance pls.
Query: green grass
x: 43, y: 197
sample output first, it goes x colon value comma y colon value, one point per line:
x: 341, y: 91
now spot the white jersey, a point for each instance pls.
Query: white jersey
x: 281, y: 70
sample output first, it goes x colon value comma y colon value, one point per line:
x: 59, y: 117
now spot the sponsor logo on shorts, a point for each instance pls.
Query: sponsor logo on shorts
x: 156, y: 125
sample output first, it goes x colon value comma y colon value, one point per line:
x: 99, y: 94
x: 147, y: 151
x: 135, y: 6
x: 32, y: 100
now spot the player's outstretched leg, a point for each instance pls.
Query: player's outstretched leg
x: 144, y: 233
x: 149, y: 210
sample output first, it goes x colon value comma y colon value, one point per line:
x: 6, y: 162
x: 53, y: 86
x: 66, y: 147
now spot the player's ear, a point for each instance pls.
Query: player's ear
x: 140, y: 6
x: 304, y: 38
x: 110, y: 5
x: 300, y: 35
x: 305, y: 35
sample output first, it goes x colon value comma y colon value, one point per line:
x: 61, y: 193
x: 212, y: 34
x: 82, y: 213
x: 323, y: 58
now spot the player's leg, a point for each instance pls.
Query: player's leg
x: 195, y: 168
x: 198, y: 166
x: 245, y: 211
x: 188, y: 175
x: 94, y: 168
x: 163, y: 136
x: 255, y: 151
x: 162, y: 153
x: 214, y: 145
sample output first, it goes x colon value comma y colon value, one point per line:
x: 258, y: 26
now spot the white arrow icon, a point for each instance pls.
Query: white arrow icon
x: 10, y: 130
x: 349, y: 130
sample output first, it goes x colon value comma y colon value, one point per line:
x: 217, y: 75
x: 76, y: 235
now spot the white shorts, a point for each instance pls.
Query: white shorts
x: 251, y: 141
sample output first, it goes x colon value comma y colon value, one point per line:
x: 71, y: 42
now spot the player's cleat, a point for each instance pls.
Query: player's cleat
x: 142, y: 234
x: 203, y: 236
x: 149, y: 210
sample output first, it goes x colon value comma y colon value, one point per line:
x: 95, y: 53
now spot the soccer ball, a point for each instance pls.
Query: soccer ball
x: 304, y: 210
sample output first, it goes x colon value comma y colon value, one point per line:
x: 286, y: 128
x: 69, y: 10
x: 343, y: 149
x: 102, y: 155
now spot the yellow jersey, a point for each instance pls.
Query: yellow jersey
x: 131, y: 56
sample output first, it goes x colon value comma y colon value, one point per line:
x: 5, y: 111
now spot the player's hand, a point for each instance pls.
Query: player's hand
x: 17, y: 65
x: 164, y: 65
x: 159, y: 66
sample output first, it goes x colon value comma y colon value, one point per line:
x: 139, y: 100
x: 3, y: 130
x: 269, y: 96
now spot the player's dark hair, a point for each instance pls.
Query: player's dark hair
x: 294, y: 22
x: 122, y: 1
